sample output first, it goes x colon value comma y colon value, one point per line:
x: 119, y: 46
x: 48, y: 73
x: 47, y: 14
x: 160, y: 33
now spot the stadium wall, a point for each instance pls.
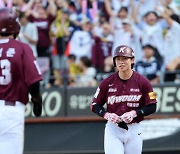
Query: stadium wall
x: 68, y: 126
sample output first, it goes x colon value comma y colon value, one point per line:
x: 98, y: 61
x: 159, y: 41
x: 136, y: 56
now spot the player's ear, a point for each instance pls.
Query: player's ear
x: 132, y: 60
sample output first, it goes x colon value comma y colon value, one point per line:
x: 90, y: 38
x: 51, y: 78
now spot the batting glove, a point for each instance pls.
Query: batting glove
x: 112, y: 117
x: 129, y: 116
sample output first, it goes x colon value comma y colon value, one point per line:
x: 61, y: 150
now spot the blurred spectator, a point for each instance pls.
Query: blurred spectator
x: 20, y: 5
x: 149, y: 66
x: 42, y: 14
x: 107, y: 70
x: 171, y: 45
x: 142, y: 7
x: 103, y: 31
x: 127, y: 35
x: 85, y: 9
x: 77, y: 15
x: 102, y: 45
x: 116, y: 21
x: 113, y: 6
x: 81, y: 41
x: 93, y: 28
x: 61, y: 5
x: 28, y: 33
x: 74, y: 69
x: 152, y: 31
x: 170, y: 4
x: 90, y: 10
x: 87, y: 77
x: 61, y: 30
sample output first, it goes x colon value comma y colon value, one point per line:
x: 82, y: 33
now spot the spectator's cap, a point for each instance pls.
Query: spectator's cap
x: 126, y: 21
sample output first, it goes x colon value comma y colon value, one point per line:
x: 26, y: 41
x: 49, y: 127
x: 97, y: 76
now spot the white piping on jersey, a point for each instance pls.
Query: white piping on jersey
x: 123, y: 98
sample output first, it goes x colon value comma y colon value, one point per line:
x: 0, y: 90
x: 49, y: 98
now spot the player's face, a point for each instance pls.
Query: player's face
x: 123, y: 63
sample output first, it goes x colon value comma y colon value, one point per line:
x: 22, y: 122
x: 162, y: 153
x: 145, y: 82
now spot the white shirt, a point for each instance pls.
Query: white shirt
x: 152, y: 34
x: 88, y: 76
x: 81, y: 44
x: 171, y: 46
x: 30, y: 30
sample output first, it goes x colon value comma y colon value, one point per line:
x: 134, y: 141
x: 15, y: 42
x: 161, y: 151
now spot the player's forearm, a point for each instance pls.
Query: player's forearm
x: 98, y: 109
x: 146, y: 110
x: 36, y: 99
x: 34, y: 90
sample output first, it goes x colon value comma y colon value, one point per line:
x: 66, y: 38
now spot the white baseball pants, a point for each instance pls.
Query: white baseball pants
x: 11, y: 128
x: 121, y: 141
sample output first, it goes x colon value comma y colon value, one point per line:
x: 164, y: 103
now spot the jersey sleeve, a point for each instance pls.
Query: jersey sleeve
x: 32, y: 72
x: 149, y: 96
x: 100, y: 94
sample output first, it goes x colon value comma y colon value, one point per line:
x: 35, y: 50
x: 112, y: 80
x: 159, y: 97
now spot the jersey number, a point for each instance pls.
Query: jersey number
x: 5, y: 70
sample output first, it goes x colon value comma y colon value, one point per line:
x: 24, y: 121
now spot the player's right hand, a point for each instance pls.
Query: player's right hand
x: 112, y: 117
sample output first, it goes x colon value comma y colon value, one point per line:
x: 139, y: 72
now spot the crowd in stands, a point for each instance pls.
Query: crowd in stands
x: 74, y: 40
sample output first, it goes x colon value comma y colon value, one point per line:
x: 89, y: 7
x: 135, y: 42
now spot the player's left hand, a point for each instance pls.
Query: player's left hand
x: 37, y: 105
x: 129, y: 116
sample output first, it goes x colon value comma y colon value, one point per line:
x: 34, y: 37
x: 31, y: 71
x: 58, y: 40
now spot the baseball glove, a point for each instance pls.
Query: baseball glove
x: 37, y: 106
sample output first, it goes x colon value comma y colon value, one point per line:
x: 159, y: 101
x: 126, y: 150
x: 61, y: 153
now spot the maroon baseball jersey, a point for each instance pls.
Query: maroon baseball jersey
x: 18, y: 70
x: 43, y: 27
x: 123, y: 96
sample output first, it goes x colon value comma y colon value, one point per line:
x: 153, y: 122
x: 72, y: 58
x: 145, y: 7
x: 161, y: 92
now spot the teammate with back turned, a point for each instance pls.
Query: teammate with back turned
x: 129, y: 97
x: 19, y: 76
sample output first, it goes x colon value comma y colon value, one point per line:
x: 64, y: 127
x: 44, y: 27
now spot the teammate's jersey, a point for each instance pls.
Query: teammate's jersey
x: 18, y: 70
x: 123, y: 96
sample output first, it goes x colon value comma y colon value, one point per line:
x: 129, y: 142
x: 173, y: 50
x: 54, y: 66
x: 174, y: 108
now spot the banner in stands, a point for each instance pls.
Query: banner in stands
x: 76, y: 101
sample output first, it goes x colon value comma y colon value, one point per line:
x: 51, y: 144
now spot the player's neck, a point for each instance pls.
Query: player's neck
x: 6, y: 37
x: 125, y: 75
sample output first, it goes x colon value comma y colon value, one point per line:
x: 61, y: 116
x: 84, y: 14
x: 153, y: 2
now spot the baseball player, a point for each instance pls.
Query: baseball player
x: 129, y: 97
x: 19, y: 76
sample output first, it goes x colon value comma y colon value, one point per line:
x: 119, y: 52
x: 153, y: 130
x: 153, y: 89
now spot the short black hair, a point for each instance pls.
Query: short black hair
x: 153, y: 12
x: 149, y: 46
x: 156, y: 52
x: 175, y: 17
x: 123, y: 8
x: 86, y: 61
x: 21, y: 14
x: 72, y: 56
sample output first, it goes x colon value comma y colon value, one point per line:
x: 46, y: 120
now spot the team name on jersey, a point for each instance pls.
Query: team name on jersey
x: 123, y: 98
